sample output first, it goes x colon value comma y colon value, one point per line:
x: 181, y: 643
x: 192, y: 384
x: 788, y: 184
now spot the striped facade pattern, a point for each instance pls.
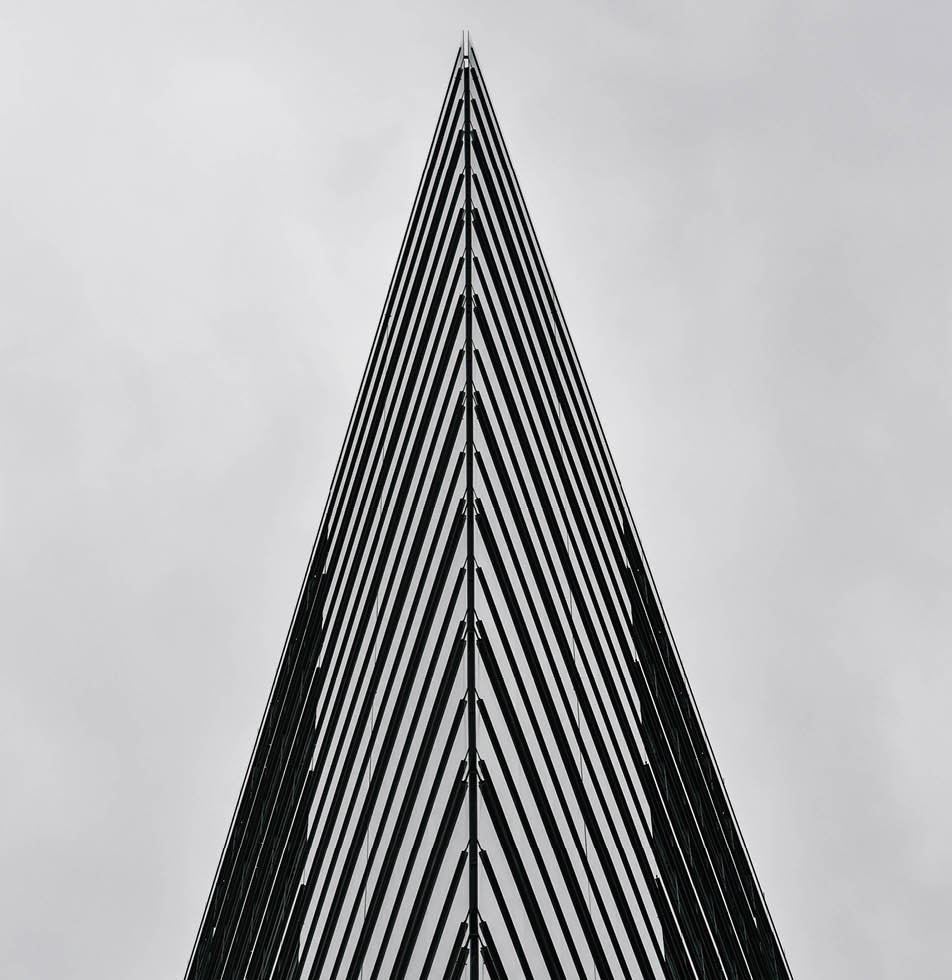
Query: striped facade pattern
x: 480, y: 753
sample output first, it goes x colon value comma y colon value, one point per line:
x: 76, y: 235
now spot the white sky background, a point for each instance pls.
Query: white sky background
x: 747, y: 214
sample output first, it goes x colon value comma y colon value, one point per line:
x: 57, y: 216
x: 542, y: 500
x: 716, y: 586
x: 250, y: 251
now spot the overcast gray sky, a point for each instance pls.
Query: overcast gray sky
x: 747, y: 213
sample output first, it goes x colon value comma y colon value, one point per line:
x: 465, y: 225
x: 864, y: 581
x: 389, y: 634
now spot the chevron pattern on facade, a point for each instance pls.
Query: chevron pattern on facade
x: 480, y: 752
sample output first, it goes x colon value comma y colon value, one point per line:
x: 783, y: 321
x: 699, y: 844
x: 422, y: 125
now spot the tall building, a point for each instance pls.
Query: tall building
x: 480, y: 753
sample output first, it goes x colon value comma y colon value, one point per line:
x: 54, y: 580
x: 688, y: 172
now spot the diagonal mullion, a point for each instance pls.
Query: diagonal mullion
x: 496, y: 260
x: 698, y: 790
x: 549, y: 822
x: 605, y: 674
x: 328, y: 929
x: 528, y: 764
x: 526, y: 441
x: 542, y: 583
x: 679, y: 717
x: 335, y: 808
x: 419, y: 705
x: 543, y: 870
x: 459, y: 953
x: 441, y: 577
x: 568, y: 763
x: 436, y: 596
x: 532, y: 335
x: 410, y: 796
x: 226, y: 868
x: 411, y: 504
x: 252, y: 818
x: 449, y: 673
x: 622, y: 505
x: 385, y: 378
x: 515, y: 611
x: 449, y: 438
x: 571, y: 667
x: 530, y: 904
x: 219, y: 932
x: 390, y: 379
x: 556, y: 531
x: 408, y: 572
x: 444, y: 915
x: 563, y: 484
x: 376, y: 467
x: 675, y: 813
x: 337, y: 713
x: 497, y: 970
x: 406, y: 813
x: 582, y: 408
x: 588, y: 407
x: 488, y: 959
x: 582, y: 404
x: 428, y: 879
x: 507, y: 918
x: 348, y: 582
x: 543, y: 325
x: 427, y: 509
x: 416, y: 253
x: 414, y: 784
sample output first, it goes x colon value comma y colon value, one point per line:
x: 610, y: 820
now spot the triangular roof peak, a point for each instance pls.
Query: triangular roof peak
x: 480, y: 747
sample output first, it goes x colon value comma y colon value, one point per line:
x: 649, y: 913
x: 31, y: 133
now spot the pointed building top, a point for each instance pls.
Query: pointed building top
x: 480, y: 746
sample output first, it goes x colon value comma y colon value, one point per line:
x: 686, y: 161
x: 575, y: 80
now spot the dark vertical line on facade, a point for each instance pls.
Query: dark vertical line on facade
x: 616, y: 849
x: 470, y: 557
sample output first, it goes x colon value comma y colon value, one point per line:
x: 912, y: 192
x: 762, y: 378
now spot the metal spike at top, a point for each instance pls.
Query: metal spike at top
x: 479, y: 681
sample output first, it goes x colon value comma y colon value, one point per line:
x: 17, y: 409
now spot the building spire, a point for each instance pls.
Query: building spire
x: 566, y: 819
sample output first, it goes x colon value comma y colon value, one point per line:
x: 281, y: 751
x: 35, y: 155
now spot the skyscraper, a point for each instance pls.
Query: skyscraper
x: 480, y: 752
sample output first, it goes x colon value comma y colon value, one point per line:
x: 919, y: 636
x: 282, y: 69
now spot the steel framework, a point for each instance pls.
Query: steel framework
x: 479, y: 682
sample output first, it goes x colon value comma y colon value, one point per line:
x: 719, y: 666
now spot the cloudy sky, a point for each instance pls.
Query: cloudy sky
x: 747, y: 213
